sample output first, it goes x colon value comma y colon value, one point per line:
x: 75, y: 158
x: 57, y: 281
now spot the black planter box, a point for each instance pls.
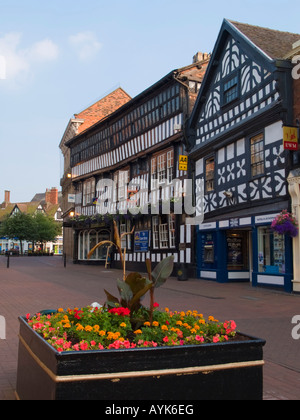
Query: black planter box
x: 222, y: 371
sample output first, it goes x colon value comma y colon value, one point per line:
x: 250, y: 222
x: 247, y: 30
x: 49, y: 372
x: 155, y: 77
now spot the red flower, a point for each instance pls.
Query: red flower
x: 120, y: 311
x: 77, y: 314
x: 155, y: 305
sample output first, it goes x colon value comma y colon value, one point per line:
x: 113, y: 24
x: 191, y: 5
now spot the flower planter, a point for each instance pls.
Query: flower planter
x: 222, y: 371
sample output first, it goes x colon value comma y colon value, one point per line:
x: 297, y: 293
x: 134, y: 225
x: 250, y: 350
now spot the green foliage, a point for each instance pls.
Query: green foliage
x: 35, y: 228
x: 135, y: 286
x: 46, y: 229
x: 20, y: 226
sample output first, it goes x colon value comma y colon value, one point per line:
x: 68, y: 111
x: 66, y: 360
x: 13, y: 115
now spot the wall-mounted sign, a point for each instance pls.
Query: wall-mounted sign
x: 183, y: 163
x: 141, y: 241
x: 290, y: 138
x: 71, y: 198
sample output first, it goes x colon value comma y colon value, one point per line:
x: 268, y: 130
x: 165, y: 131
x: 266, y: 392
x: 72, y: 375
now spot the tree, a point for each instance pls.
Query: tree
x: 18, y: 226
x: 46, y: 229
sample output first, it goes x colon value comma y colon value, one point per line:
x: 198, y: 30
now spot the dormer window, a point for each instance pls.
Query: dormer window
x: 231, y: 90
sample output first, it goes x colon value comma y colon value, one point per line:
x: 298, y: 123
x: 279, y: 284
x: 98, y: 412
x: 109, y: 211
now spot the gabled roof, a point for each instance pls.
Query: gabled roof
x: 102, y: 108
x: 276, y: 44
x: 32, y: 206
x: 93, y: 114
x: 6, y: 211
x: 263, y: 44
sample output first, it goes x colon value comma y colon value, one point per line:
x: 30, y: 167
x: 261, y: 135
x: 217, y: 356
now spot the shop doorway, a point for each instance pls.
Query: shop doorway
x: 239, y: 255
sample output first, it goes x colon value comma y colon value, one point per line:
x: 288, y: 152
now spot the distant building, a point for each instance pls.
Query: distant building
x: 48, y: 203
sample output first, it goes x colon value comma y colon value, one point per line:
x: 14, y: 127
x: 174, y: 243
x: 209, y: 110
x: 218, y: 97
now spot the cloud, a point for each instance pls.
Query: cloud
x: 44, y: 50
x: 18, y: 61
x: 85, y: 44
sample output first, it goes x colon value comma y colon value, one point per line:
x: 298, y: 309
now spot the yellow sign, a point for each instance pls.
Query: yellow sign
x: 183, y: 163
x: 290, y: 138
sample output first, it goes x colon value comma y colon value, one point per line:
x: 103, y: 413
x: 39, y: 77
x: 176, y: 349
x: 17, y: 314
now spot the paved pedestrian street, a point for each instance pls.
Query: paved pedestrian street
x: 31, y: 284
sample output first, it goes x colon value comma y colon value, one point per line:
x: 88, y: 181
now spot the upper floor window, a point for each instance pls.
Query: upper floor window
x: 257, y: 155
x: 230, y: 90
x: 162, y: 168
x: 88, y: 192
x: 210, y: 174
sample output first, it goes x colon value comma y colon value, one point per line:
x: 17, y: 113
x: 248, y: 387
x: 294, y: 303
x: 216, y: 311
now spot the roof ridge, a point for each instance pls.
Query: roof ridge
x: 262, y: 27
x: 102, y: 98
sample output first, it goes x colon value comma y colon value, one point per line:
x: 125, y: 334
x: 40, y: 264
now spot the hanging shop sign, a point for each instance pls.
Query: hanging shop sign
x: 290, y: 138
x: 183, y: 163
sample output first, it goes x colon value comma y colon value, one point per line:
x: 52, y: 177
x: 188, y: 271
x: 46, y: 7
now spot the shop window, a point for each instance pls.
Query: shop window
x: 125, y: 227
x: 271, y: 251
x: 87, y: 240
x: 93, y: 242
x: 155, y: 225
x: 163, y: 231
x: 257, y: 155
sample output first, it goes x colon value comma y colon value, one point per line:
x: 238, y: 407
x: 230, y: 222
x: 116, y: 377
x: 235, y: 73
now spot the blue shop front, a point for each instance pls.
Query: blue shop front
x: 245, y: 250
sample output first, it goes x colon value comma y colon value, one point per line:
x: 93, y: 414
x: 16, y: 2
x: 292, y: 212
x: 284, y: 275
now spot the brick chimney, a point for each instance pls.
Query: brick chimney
x: 51, y: 196
x: 6, y: 201
x: 199, y: 56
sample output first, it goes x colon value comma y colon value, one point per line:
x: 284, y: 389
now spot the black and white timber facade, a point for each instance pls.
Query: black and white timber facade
x: 236, y: 143
x: 137, y: 148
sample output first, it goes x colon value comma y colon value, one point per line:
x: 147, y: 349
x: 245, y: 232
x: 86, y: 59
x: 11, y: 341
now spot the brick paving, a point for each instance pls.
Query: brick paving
x: 30, y: 285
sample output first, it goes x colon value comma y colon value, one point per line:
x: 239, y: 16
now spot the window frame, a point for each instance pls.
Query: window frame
x: 213, y: 178
x: 234, y: 75
x: 255, y: 164
x: 162, y: 168
x: 164, y: 232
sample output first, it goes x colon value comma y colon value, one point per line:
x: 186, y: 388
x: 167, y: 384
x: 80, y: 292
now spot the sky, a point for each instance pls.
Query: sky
x: 58, y: 57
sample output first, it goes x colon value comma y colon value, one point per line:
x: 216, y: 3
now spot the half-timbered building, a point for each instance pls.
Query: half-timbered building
x: 127, y: 168
x: 236, y: 142
x: 78, y: 124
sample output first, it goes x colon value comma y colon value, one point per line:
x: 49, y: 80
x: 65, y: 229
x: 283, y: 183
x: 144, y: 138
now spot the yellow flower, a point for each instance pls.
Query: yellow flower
x: 88, y: 328
x: 123, y: 325
x: 79, y: 327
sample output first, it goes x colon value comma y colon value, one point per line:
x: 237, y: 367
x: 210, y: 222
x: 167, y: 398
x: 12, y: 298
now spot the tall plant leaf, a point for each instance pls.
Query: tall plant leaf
x: 163, y: 271
x: 125, y: 291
